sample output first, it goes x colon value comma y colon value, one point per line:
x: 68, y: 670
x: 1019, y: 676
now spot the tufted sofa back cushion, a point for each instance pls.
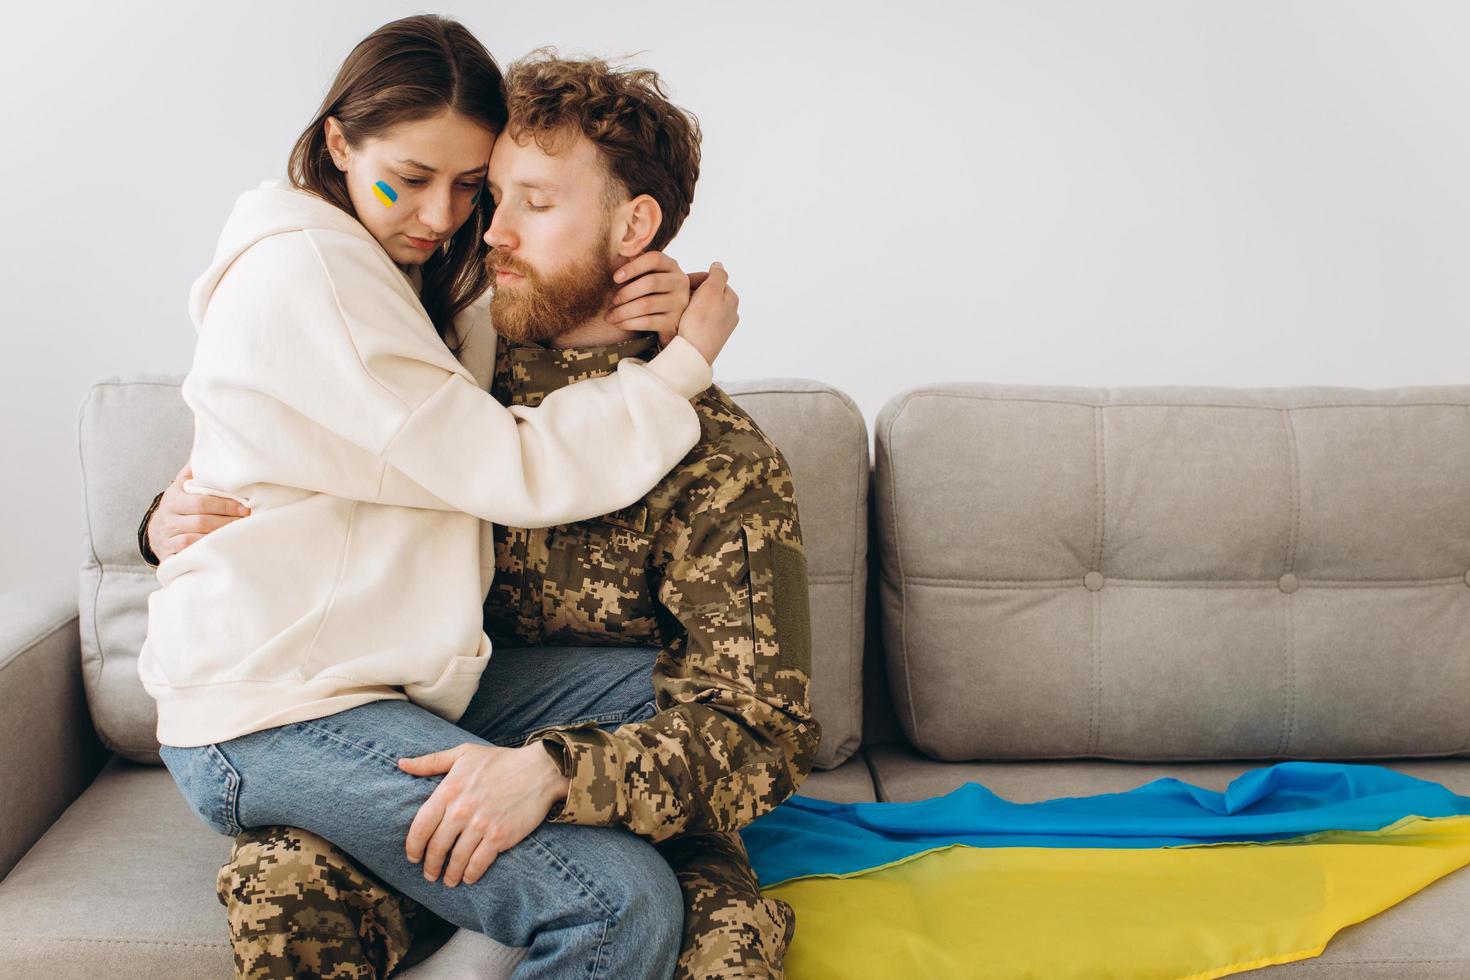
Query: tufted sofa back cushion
x: 1176, y: 573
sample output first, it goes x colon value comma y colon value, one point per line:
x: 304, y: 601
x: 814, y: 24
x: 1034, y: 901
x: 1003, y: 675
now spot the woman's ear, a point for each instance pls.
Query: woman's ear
x: 642, y: 221
x: 337, y: 143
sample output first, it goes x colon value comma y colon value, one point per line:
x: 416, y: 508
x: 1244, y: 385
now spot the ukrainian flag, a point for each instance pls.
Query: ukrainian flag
x: 1165, y: 880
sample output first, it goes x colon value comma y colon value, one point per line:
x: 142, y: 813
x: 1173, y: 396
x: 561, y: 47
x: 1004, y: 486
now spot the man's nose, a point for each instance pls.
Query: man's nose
x: 500, y: 234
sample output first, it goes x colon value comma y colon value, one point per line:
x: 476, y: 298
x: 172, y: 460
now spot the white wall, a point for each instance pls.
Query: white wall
x: 1267, y: 193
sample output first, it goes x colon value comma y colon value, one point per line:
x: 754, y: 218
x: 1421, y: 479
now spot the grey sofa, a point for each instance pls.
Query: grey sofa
x: 1052, y: 591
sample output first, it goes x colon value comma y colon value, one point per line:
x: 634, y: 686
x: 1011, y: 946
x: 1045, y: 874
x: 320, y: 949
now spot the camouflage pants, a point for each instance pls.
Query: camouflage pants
x: 300, y: 907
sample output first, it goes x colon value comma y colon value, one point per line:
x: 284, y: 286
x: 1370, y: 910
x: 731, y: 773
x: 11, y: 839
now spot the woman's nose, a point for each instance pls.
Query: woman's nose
x: 437, y: 213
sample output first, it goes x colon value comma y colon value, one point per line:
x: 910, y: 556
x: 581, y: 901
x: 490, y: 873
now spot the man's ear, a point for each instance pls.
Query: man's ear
x: 642, y: 218
x: 337, y: 143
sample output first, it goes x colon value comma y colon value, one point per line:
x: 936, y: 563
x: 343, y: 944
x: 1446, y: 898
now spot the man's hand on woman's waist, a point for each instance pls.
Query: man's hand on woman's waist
x: 179, y: 519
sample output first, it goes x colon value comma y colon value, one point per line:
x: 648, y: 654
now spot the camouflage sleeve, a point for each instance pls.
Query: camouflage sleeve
x: 730, y: 929
x: 734, y: 734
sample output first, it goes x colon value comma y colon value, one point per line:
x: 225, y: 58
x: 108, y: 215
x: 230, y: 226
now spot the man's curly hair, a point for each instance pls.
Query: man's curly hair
x: 647, y: 144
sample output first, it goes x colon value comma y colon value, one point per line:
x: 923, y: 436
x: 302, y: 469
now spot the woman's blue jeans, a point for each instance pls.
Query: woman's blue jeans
x: 587, y: 901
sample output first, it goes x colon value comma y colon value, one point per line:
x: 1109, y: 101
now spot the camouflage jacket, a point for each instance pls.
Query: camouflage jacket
x: 709, y: 566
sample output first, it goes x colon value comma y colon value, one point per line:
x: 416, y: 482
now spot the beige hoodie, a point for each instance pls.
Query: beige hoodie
x: 325, y: 400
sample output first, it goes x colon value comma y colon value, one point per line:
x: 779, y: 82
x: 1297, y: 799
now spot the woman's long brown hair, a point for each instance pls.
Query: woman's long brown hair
x: 411, y: 69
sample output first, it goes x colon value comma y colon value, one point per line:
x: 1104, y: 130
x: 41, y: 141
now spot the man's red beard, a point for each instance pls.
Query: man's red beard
x: 539, y: 308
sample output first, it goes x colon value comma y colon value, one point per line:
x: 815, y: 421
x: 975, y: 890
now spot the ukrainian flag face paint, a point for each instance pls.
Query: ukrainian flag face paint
x: 384, y: 193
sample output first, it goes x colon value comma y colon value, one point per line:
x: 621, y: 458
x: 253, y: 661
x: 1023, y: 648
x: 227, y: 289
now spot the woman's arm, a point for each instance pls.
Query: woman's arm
x: 651, y: 299
x: 319, y: 322
x: 561, y: 449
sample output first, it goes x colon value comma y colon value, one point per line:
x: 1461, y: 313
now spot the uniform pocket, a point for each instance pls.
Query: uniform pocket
x: 210, y: 784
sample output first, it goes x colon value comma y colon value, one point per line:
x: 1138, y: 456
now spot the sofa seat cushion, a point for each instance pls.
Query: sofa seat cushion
x: 1422, y: 936
x: 122, y: 885
x: 850, y: 782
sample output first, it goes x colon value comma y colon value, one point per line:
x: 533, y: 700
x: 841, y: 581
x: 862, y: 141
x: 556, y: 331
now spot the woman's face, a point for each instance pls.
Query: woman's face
x: 417, y: 183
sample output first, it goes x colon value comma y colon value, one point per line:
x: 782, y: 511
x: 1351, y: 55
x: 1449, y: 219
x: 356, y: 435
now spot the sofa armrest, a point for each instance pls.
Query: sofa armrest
x: 50, y: 751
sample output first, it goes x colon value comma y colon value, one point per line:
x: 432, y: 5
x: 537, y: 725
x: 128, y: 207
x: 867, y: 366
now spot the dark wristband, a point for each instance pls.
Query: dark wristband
x: 143, y: 548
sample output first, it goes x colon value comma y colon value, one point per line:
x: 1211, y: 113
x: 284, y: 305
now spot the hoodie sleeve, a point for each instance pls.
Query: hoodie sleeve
x: 322, y: 322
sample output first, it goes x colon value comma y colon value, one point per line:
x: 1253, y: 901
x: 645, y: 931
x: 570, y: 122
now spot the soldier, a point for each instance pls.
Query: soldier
x: 707, y: 572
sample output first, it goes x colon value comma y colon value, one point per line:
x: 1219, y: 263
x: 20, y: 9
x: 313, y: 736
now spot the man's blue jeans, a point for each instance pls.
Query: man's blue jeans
x: 588, y: 901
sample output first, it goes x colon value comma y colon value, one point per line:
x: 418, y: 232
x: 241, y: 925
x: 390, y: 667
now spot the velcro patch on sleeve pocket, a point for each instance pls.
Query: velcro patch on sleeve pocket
x: 779, y: 598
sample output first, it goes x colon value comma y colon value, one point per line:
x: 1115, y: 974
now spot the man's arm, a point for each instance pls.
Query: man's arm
x: 735, y: 735
x: 177, y: 519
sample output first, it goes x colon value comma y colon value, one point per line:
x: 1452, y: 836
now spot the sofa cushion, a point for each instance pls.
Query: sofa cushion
x: 134, y: 433
x: 850, y: 782
x: 1176, y: 573
x: 1421, y: 937
x: 123, y: 886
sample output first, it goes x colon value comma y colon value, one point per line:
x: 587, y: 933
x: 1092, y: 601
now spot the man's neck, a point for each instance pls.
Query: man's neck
x: 596, y: 332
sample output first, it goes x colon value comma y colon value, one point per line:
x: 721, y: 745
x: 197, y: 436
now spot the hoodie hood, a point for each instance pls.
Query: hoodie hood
x: 273, y: 208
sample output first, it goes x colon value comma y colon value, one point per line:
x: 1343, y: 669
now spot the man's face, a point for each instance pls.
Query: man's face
x: 552, y: 251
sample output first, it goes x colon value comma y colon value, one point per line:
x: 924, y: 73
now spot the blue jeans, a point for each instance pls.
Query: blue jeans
x: 588, y: 901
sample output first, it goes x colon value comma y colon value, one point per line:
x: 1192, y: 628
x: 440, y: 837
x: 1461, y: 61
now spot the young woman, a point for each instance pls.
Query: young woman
x: 296, y: 656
